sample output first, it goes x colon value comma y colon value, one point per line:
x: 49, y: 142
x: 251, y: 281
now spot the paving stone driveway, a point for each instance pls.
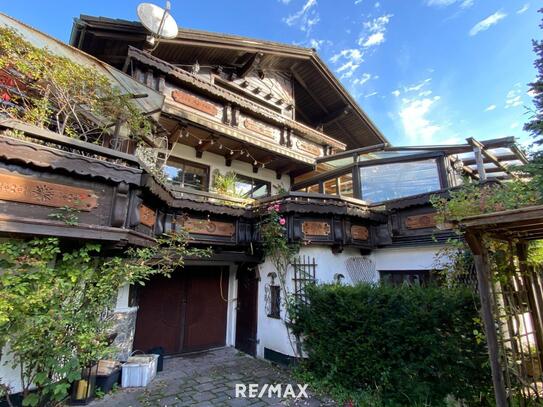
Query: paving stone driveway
x: 208, y: 379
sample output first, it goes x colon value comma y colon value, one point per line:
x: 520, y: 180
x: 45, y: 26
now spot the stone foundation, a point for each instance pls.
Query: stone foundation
x: 124, y: 326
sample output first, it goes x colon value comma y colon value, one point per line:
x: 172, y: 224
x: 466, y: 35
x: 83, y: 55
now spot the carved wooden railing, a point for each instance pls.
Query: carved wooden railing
x: 294, y: 196
x: 73, y: 145
x: 207, y: 196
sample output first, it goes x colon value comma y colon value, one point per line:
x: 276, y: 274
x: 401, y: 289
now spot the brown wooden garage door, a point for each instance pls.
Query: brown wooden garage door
x: 183, y: 313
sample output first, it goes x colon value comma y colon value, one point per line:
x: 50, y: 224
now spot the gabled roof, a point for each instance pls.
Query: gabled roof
x: 320, y: 98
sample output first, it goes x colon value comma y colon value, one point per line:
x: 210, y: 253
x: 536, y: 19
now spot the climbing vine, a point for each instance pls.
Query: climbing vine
x: 280, y: 252
x: 56, y: 93
x: 54, y: 300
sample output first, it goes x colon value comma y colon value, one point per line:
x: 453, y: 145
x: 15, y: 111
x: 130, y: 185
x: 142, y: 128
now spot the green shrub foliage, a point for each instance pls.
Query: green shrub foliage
x: 412, y: 345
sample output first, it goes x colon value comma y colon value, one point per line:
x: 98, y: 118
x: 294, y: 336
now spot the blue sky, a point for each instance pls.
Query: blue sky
x: 425, y: 71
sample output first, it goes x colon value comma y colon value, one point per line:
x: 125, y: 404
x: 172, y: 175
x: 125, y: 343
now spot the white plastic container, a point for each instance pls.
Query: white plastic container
x: 139, y: 370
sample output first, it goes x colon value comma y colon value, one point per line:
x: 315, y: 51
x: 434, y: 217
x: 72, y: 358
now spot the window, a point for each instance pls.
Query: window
x: 330, y: 187
x: 407, y: 277
x: 251, y: 187
x: 275, y: 302
x: 346, y: 185
x: 396, y: 180
x: 187, y: 174
x: 313, y: 189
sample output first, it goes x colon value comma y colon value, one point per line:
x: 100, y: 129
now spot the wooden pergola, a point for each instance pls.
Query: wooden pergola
x: 511, y: 305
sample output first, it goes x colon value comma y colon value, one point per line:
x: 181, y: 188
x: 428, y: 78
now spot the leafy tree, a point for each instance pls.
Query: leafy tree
x: 55, y: 304
x: 535, y: 125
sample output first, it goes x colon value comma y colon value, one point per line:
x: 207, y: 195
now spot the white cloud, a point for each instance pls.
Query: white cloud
x: 414, y: 118
x: 445, y: 3
x: 377, y: 5
x: 347, y: 69
x: 418, y: 86
x: 363, y: 79
x: 375, y: 31
x: 488, y: 22
x: 490, y: 108
x: 314, y: 43
x: 352, y: 54
x: 514, y: 125
x: 523, y: 8
x: 416, y: 110
x: 513, y: 97
x: 305, y: 18
x: 358, y: 1
x: 374, y: 39
x: 285, y: 1
x: 350, y: 60
x: 369, y: 95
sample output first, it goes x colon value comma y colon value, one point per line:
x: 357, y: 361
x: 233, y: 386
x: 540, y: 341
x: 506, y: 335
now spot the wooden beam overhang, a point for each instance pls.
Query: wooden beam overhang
x: 230, y: 97
x: 251, y: 63
x: 42, y: 227
x: 480, y: 151
x: 302, y: 83
x: 204, y: 145
x: 334, y: 116
x: 505, y: 157
x: 235, y: 133
x: 231, y: 156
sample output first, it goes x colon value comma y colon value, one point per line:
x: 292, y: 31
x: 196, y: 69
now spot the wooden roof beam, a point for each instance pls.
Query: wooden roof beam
x: 335, y: 116
x: 311, y: 94
x: 490, y: 156
x: 502, y: 158
x: 251, y: 63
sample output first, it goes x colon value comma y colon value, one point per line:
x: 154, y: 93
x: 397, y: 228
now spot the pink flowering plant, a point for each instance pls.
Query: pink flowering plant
x: 280, y: 252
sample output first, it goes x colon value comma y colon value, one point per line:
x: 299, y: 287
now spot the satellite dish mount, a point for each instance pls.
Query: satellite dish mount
x: 158, y: 21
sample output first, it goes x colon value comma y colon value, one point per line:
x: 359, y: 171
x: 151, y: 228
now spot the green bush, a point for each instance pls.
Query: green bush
x: 410, y: 345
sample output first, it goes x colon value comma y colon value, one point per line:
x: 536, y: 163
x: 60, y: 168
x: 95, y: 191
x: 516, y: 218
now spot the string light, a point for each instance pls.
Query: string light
x: 231, y: 151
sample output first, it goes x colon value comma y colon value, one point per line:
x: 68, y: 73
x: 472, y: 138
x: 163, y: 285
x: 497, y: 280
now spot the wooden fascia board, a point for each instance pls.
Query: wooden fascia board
x: 236, y: 133
x: 231, y: 97
x: 347, y: 96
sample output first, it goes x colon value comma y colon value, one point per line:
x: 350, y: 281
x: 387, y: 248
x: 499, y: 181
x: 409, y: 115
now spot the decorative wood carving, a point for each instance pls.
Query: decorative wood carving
x: 310, y: 228
x: 359, y: 232
x: 195, y: 102
x: 308, y: 147
x: 34, y: 191
x: 209, y: 227
x: 258, y: 128
x: 147, y: 216
x: 47, y: 157
x: 120, y: 205
x: 427, y: 220
x: 228, y: 96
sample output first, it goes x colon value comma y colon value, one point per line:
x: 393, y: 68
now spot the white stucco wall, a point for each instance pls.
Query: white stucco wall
x: 406, y: 258
x: 217, y: 162
x: 9, y: 376
x: 272, y: 333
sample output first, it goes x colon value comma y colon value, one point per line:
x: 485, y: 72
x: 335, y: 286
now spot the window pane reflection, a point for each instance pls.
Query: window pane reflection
x: 391, y: 181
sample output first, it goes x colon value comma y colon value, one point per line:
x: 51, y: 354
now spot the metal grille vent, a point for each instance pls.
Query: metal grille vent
x: 361, y: 270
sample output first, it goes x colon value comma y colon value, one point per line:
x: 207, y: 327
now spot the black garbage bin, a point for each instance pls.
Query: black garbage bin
x: 159, y: 350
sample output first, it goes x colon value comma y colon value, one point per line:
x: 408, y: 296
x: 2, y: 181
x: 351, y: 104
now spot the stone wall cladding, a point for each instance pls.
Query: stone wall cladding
x: 125, y: 326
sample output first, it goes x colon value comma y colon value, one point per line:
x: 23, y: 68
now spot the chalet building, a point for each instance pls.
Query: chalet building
x: 277, y: 117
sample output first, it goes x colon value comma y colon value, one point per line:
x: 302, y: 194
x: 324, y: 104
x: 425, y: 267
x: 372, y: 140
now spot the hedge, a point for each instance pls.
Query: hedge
x: 413, y: 345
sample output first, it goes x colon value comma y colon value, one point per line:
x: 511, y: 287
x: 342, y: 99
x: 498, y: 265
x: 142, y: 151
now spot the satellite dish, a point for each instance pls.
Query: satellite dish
x: 158, y: 20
